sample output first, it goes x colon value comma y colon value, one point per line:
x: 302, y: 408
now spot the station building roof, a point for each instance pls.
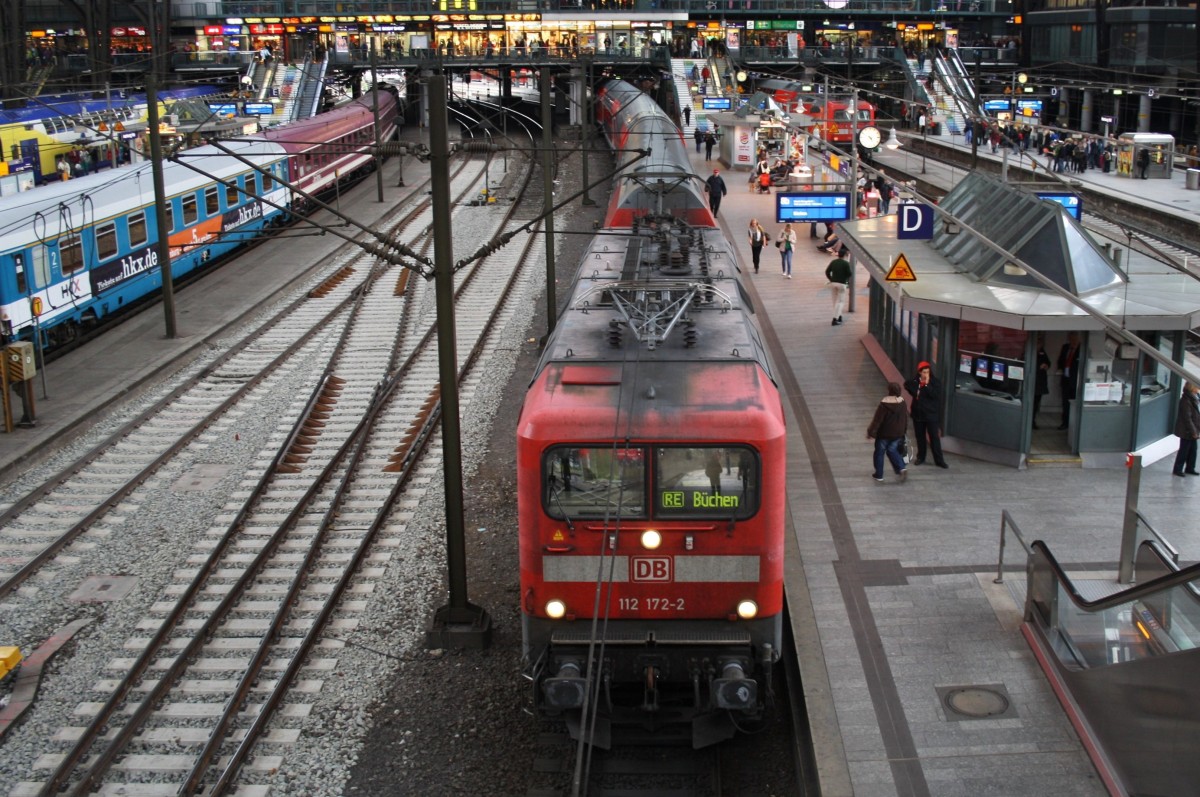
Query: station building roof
x: 960, y: 276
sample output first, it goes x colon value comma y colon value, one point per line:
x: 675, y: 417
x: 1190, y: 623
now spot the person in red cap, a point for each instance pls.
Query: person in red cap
x: 926, y: 392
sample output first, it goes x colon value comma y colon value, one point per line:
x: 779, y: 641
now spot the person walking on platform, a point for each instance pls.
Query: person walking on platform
x: 888, y: 428
x: 839, y: 272
x: 687, y: 114
x: 1187, y: 427
x: 885, y: 192
x: 714, y: 186
x: 1068, y: 375
x: 709, y: 142
x: 758, y: 237
x: 786, y: 245
x: 1143, y: 162
x: 926, y: 392
x: 698, y: 134
x: 1041, y: 378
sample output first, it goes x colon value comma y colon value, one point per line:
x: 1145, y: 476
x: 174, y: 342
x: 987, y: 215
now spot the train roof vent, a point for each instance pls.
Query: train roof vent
x: 591, y: 375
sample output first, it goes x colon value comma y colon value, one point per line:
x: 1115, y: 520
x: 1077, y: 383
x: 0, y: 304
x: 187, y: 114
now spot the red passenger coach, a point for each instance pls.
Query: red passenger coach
x: 633, y: 123
x: 329, y: 147
x: 651, y: 461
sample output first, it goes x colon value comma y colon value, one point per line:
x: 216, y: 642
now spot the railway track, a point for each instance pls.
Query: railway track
x: 225, y: 654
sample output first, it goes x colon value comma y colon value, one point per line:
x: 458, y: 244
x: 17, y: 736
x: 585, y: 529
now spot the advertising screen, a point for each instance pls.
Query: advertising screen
x: 811, y: 207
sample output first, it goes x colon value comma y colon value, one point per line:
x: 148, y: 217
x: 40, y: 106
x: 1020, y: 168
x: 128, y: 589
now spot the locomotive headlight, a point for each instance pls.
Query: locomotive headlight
x: 747, y: 609
x: 651, y: 539
x: 555, y: 609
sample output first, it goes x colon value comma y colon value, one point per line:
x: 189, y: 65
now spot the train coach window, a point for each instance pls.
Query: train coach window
x: 232, y: 195
x: 70, y: 253
x: 170, y: 208
x: 595, y: 482
x: 706, y: 481
x: 268, y: 183
x: 137, y: 230
x: 190, y: 213
x: 212, y: 203
x: 106, y: 241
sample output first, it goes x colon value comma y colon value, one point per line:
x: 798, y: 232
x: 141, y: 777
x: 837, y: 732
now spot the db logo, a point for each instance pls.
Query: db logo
x: 650, y: 568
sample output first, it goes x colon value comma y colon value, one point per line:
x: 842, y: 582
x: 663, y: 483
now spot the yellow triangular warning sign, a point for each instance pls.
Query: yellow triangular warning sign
x: 901, y: 271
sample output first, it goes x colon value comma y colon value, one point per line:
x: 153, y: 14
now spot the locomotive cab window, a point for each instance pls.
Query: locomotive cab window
x: 706, y: 481
x: 594, y: 482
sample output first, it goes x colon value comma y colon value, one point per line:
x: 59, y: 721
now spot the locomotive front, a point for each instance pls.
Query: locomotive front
x: 651, y: 454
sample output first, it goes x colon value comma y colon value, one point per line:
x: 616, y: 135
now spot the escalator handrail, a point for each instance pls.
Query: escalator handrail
x: 1154, y: 586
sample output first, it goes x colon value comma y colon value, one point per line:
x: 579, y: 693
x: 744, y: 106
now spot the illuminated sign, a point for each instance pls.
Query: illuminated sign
x: 812, y: 207
x: 717, y: 103
x: 225, y: 109
x: 1072, y: 202
x: 259, y: 109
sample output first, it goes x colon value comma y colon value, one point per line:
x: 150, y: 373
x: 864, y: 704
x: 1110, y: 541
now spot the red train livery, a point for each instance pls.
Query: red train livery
x: 832, y: 116
x: 651, y: 461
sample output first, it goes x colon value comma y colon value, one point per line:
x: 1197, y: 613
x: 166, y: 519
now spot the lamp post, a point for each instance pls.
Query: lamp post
x: 1018, y: 77
x: 924, y: 136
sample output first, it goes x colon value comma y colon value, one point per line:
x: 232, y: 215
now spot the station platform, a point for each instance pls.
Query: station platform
x: 1167, y: 196
x: 891, y: 585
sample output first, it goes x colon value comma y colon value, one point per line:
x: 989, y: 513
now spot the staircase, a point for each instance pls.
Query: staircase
x: 284, y: 87
x: 311, y: 83
x: 687, y: 92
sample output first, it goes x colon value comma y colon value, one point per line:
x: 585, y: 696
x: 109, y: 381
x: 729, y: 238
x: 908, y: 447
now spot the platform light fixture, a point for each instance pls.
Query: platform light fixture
x: 893, y: 141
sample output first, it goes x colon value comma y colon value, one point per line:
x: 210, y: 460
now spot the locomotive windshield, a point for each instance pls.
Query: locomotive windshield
x: 706, y: 481
x: 689, y: 482
x: 595, y: 482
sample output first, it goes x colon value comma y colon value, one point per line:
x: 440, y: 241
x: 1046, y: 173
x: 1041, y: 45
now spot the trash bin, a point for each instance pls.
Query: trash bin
x: 1193, y: 179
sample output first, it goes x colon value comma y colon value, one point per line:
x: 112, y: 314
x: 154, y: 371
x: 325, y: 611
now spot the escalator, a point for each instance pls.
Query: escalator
x: 1125, y: 666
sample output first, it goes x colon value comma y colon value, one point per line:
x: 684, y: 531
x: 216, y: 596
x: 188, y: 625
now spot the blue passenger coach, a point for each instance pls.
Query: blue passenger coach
x: 71, y: 253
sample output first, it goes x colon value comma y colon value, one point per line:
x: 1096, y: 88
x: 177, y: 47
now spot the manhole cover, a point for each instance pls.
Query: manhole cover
x: 976, y: 702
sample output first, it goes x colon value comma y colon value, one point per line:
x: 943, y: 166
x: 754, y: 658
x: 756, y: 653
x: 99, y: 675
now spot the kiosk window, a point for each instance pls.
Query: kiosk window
x: 594, y: 482
x: 1111, y: 371
x: 991, y: 361
x: 706, y: 481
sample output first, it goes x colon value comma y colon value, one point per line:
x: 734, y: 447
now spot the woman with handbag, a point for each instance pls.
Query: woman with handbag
x: 786, y: 243
x: 888, y: 428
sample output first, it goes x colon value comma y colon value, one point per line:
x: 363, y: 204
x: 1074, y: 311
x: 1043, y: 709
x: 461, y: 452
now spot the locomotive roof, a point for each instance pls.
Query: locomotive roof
x: 695, y: 299
x: 115, y: 191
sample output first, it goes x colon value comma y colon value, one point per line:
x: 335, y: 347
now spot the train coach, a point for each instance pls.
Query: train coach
x: 633, y: 123
x: 53, y: 125
x: 650, y: 475
x: 74, y: 252
x: 834, y: 120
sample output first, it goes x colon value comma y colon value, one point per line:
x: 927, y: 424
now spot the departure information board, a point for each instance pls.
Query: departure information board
x: 1071, y: 202
x: 811, y: 206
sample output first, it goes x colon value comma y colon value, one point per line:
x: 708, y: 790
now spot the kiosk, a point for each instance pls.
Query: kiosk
x: 1029, y: 374
x: 1162, y: 154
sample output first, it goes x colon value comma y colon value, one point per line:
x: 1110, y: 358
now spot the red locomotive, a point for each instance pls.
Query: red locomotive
x: 651, y: 461
x: 832, y: 116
